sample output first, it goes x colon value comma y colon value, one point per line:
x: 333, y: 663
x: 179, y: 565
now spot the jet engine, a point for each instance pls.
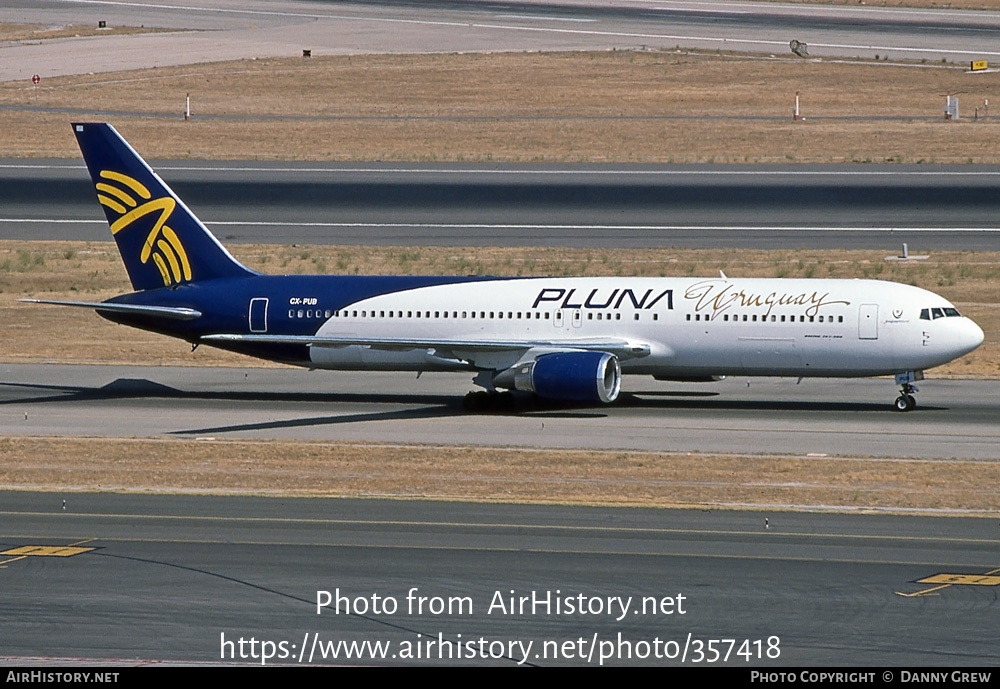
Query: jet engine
x: 567, y: 376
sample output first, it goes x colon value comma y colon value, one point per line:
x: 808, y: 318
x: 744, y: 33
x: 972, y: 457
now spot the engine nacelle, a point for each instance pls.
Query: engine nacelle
x: 567, y: 376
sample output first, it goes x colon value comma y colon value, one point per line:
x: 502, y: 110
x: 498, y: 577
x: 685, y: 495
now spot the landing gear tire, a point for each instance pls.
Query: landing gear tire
x: 906, y: 401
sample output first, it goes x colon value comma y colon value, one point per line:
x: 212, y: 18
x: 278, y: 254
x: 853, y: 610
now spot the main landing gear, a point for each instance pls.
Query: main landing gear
x: 480, y: 401
x: 906, y: 401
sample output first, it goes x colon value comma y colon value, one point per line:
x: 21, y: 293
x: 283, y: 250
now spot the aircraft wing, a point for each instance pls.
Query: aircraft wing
x: 623, y: 349
x: 173, y: 312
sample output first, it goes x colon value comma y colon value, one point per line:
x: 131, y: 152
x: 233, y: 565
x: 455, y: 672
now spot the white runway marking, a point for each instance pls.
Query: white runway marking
x: 594, y: 228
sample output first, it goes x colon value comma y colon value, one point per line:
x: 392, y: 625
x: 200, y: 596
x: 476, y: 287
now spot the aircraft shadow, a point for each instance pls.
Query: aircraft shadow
x: 140, y: 388
x: 400, y: 415
x: 430, y: 406
x: 654, y: 400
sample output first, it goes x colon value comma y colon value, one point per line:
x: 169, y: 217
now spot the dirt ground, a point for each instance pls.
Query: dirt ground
x: 646, y: 479
x: 624, y: 106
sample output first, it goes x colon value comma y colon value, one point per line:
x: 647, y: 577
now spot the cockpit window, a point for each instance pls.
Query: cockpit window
x: 934, y: 314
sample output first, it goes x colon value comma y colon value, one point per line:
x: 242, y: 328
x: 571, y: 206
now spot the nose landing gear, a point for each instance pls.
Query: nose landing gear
x: 906, y: 401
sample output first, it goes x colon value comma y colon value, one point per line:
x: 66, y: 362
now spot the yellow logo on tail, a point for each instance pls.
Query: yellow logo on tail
x: 162, y: 244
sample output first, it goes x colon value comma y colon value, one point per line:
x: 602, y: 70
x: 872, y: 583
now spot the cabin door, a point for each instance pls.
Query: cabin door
x: 258, y: 315
x: 868, y: 322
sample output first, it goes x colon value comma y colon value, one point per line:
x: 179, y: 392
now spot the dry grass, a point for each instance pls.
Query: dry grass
x: 498, y: 474
x: 93, y: 271
x: 36, y: 32
x: 603, y: 106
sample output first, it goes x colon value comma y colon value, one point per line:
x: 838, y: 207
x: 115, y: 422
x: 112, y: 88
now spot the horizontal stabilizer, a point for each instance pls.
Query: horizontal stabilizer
x: 174, y: 312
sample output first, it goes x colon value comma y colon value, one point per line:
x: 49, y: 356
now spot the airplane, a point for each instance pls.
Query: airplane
x: 566, y: 340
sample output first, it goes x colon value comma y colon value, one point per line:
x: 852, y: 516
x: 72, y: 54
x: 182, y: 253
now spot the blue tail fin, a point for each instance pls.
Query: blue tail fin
x: 161, y: 242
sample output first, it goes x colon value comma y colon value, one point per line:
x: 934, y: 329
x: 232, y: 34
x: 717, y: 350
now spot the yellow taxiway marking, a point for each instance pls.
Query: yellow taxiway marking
x: 945, y: 580
x: 46, y: 551
x: 967, y: 579
x: 24, y: 551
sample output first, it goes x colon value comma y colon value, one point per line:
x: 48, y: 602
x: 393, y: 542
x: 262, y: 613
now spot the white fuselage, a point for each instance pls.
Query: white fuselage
x: 692, y: 327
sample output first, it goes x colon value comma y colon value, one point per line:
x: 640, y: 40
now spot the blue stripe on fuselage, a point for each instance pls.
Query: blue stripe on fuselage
x: 225, y: 305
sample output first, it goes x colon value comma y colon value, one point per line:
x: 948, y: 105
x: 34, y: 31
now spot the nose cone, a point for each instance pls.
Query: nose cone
x: 948, y: 339
x: 972, y: 334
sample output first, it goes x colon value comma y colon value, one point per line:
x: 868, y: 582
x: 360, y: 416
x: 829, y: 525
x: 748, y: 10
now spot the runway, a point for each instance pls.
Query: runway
x: 214, y: 30
x: 649, y: 206
x: 173, y: 578
x: 954, y: 418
